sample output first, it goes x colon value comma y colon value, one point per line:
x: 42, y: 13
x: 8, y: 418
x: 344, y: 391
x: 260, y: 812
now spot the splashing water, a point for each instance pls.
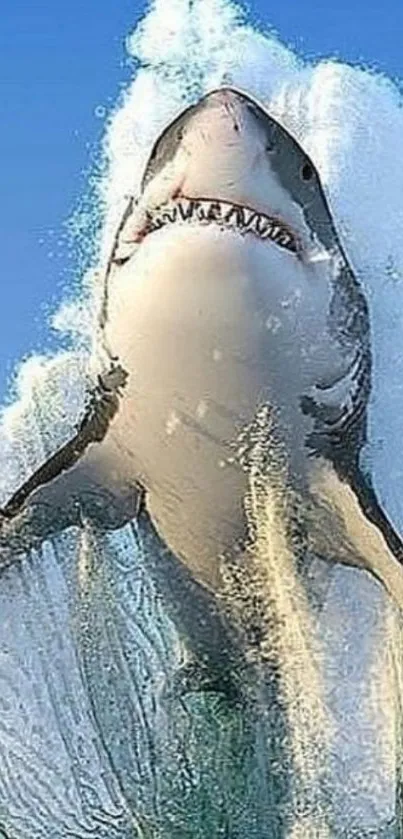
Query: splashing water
x: 84, y: 639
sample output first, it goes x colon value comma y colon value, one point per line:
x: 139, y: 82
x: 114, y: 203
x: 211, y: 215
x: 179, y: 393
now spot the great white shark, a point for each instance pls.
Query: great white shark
x: 227, y: 294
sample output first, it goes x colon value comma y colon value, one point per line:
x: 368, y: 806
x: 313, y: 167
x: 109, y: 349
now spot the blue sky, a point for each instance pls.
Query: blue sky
x: 61, y: 64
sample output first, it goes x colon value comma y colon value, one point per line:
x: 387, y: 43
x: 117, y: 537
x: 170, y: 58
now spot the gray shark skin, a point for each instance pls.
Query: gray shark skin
x: 227, y: 292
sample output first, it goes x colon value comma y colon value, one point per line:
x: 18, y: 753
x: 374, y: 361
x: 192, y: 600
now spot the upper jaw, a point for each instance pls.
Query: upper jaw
x: 227, y: 215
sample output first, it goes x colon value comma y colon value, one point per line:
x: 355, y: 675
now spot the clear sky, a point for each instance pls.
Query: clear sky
x: 61, y: 64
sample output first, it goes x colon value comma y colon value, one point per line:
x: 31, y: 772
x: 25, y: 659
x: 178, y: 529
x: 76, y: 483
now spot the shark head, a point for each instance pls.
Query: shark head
x: 226, y: 151
x: 227, y: 192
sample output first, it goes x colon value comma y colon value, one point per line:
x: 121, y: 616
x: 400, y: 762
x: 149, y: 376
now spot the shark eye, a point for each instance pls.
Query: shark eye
x: 306, y: 172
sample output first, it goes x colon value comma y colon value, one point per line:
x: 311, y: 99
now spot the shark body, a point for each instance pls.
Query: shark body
x: 227, y: 290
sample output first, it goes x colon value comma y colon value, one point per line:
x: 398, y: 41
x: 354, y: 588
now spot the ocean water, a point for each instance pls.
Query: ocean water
x: 88, y: 746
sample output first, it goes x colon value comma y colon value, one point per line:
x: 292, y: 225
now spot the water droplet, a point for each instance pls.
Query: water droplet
x: 201, y: 409
x: 172, y: 423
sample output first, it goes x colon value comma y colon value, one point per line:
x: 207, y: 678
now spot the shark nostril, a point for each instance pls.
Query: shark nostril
x: 230, y: 111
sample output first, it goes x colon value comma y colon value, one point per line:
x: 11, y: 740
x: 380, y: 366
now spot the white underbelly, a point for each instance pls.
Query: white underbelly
x: 189, y: 322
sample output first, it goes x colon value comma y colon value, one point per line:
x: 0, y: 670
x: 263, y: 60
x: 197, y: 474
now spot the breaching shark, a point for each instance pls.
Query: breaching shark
x: 227, y: 291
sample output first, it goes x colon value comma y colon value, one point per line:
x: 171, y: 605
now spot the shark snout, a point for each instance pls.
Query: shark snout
x: 222, y: 119
x: 225, y: 118
x: 227, y: 106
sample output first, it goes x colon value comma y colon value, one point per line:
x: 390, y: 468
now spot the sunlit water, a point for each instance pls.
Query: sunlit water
x: 86, y: 645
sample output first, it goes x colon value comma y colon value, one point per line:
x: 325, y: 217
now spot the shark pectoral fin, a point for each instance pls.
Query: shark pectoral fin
x: 82, y: 492
x: 103, y: 405
x: 80, y: 481
x: 346, y: 524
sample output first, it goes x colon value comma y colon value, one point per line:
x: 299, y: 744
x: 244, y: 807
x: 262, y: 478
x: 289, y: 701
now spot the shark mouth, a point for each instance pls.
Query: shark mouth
x: 224, y: 214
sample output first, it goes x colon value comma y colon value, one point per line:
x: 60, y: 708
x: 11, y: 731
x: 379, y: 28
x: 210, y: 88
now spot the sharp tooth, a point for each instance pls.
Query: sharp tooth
x: 169, y: 214
x: 214, y: 211
x: 234, y: 215
x: 265, y: 229
x: 254, y: 223
x: 262, y: 225
x: 156, y: 223
x: 248, y: 216
x: 200, y: 211
x: 241, y: 217
x: 186, y: 208
x: 285, y: 240
x: 240, y: 220
x: 230, y: 215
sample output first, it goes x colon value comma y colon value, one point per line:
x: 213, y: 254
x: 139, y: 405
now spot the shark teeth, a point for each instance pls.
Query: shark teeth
x: 225, y: 214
